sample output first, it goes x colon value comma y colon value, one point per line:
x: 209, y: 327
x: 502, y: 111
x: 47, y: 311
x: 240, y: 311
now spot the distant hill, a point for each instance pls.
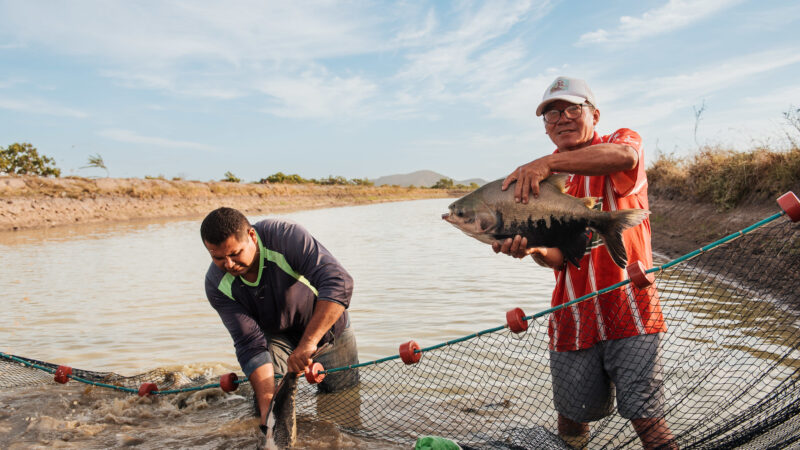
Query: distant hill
x: 421, y: 178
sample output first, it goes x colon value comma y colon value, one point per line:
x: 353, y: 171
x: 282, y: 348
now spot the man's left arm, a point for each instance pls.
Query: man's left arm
x: 326, y: 313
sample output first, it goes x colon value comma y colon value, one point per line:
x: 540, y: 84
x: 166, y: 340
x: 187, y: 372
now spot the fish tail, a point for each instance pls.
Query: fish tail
x: 611, y: 231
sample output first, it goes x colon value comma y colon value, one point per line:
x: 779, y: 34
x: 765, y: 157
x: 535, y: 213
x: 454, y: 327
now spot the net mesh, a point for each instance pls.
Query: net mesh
x: 730, y: 367
x: 15, y: 373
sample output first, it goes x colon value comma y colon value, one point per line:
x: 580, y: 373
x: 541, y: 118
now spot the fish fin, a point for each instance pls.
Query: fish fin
x: 611, y: 232
x: 589, y: 201
x: 575, y: 250
x: 559, y: 180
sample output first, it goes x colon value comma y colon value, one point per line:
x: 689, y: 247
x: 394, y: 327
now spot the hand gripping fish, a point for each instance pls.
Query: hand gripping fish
x: 554, y: 219
x: 281, y: 428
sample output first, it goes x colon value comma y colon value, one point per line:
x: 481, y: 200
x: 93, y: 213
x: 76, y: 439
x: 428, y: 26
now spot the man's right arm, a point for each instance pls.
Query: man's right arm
x: 262, y: 379
x: 250, y: 344
x: 598, y: 159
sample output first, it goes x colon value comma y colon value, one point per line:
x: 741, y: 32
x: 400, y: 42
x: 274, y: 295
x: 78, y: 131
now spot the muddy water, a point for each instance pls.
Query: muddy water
x: 128, y: 298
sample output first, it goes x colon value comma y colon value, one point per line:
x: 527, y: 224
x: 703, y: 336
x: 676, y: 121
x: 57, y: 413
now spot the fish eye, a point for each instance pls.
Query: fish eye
x: 460, y: 213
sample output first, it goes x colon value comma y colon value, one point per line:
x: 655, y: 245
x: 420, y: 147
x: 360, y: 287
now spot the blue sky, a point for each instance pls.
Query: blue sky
x: 365, y: 89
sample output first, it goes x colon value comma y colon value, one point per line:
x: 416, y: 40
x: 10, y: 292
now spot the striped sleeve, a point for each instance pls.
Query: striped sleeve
x: 629, y: 182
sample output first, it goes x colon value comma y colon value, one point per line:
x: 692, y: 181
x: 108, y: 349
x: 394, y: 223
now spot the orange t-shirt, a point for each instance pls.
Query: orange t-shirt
x: 623, y: 312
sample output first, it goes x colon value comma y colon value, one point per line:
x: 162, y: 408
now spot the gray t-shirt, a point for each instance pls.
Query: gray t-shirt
x: 295, y: 272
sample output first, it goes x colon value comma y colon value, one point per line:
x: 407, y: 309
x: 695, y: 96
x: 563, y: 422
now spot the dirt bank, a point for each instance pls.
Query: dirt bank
x: 35, y: 202
x: 679, y: 226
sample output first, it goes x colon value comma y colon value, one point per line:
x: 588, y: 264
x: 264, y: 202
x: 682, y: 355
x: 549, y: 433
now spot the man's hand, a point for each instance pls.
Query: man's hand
x: 544, y: 256
x: 517, y: 247
x: 527, y: 179
x: 300, y: 358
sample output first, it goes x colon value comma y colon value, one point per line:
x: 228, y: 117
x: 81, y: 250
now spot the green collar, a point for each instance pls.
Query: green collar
x: 262, y: 254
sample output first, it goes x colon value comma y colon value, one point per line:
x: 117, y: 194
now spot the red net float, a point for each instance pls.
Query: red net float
x: 516, y: 321
x: 313, y: 375
x: 62, y: 374
x: 638, y: 275
x: 789, y: 203
x: 147, y: 388
x: 228, y: 382
x: 408, y: 352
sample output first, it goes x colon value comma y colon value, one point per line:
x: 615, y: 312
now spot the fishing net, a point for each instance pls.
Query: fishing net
x: 20, y: 371
x: 730, y: 366
x: 730, y: 361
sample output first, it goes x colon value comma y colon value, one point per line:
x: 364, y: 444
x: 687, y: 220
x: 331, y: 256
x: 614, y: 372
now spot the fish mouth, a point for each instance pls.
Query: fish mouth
x: 446, y: 217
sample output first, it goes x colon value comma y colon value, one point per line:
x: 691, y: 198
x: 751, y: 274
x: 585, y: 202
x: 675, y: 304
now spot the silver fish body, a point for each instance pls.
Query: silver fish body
x: 281, y: 427
x: 553, y: 219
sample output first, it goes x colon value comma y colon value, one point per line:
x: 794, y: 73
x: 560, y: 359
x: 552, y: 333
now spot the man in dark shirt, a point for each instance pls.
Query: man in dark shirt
x: 282, y: 296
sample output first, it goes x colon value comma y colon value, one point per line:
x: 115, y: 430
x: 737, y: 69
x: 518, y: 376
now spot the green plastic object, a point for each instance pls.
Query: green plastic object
x: 435, y: 443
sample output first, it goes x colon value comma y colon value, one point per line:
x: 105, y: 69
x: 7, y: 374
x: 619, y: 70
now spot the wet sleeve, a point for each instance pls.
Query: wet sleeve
x: 312, y: 260
x: 248, y: 339
x: 629, y: 182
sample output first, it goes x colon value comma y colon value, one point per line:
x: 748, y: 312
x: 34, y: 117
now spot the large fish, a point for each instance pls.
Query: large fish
x: 281, y: 428
x: 554, y: 219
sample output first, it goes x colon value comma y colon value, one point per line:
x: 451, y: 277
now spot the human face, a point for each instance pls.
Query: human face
x: 236, y: 257
x: 571, y: 134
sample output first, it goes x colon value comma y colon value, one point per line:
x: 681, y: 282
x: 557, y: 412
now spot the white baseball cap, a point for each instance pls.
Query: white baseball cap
x: 572, y: 90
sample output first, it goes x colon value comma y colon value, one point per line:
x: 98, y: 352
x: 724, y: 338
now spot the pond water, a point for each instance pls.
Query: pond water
x: 128, y: 298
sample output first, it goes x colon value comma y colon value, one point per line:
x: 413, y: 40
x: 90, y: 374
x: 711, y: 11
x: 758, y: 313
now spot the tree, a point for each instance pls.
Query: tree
x: 24, y: 159
x: 231, y: 178
x: 443, y: 183
x: 96, y: 161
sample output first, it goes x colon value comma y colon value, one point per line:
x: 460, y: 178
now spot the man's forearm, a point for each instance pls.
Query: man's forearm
x: 263, y: 382
x: 326, y: 313
x: 603, y: 159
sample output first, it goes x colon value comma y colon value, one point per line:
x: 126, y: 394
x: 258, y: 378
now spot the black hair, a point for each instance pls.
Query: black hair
x: 222, y: 223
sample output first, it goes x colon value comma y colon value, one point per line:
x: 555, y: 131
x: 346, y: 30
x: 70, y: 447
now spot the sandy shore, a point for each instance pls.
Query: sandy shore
x: 35, y: 202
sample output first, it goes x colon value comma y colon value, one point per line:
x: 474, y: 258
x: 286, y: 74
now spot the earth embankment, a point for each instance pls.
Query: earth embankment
x: 36, y: 202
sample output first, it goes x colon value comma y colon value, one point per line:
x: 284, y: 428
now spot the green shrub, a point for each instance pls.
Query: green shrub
x: 231, y: 178
x: 443, y: 183
x: 280, y: 177
x: 24, y: 159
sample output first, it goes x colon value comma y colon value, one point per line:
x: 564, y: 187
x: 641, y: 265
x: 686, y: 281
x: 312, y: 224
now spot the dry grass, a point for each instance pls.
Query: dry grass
x: 726, y: 178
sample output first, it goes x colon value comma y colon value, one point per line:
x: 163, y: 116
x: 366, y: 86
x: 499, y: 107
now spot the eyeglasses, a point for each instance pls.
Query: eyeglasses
x: 571, y: 112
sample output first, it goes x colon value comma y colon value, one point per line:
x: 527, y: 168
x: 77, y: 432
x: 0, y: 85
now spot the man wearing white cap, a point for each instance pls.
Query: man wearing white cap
x: 605, y: 347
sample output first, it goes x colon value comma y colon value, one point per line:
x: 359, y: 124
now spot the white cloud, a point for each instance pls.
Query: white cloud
x: 782, y: 96
x: 452, y: 53
x: 519, y: 102
x: 130, y: 137
x: 39, y: 106
x: 674, y: 15
x: 318, y: 96
x: 720, y: 74
x: 206, y: 50
x: 9, y: 82
x: 155, y: 32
